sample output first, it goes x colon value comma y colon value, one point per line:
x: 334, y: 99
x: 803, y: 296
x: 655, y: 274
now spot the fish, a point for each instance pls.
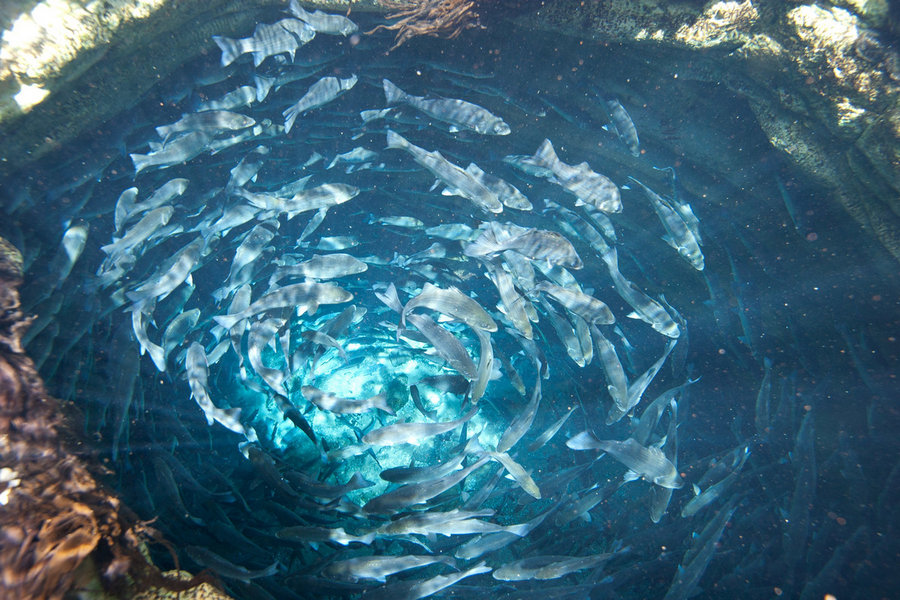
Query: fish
x: 213, y: 121
x: 541, y: 440
x: 589, y: 308
x: 413, y: 433
x: 586, y: 185
x: 520, y: 425
x: 513, y: 302
x: 197, y: 370
x: 324, y: 534
x: 678, y: 235
x: 252, y: 246
x: 319, y: 94
x: 534, y: 244
x: 458, y: 181
x: 646, y: 462
x: 306, y: 297
x: 322, y: 196
x: 177, y: 330
x: 508, y: 194
x: 446, y: 344
x: 356, y: 156
x: 321, y: 267
x: 322, y: 22
x: 268, y: 39
x: 645, y: 308
x: 411, y: 474
x: 227, y: 569
x: 518, y: 473
x: 451, y: 302
x: 344, y: 406
x: 458, y: 113
x: 485, y: 366
x: 378, y: 568
x: 259, y: 335
x: 172, y: 273
x: 623, y: 126
x: 412, y: 494
x: 637, y: 388
x: 549, y: 566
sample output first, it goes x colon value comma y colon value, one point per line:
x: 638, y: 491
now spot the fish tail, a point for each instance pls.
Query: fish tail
x: 230, y: 49
x: 158, y: 355
x: 141, y: 162
x: 263, y: 86
x: 380, y: 402
x: 227, y: 321
x: 546, y: 155
x: 395, y: 140
x: 290, y: 115
x: 393, y: 94
x: 298, y: 11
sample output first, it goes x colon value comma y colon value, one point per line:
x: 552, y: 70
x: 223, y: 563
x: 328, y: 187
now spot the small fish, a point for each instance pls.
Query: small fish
x: 456, y: 112
x: 413, y: 433
x: 323, y: 22
x: 588, y: 186
x: 320, y: 93
x: 378, y: 568
x: 176, y: 152
x: 306, y: 297
x: 649, y: 463
x: 213, y: 121
x: 344, y: 406
x: 458, y: 181
x: 321, y: 267
x: 227, y: 569
x: 451, y: 302
x: 624, y: 127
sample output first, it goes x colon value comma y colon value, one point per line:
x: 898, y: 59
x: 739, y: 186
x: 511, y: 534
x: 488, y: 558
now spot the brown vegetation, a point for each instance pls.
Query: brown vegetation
x: 436, y: 18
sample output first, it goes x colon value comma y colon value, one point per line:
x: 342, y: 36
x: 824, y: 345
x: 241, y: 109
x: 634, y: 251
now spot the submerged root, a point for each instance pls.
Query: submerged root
x: 436, y: 18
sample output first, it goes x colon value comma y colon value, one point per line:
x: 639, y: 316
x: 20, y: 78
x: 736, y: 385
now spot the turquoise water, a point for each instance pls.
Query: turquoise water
x: 782, y: 376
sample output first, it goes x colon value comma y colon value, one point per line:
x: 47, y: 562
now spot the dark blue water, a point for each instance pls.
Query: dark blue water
x: 789, y: 335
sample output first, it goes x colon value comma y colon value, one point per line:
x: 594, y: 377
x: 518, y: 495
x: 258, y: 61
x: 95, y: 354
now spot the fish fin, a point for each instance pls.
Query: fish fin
x: 696, y: 489
x: 631, y: 476
x: 392, y: 93
x: 263, y: 86
x: 230, y: 49
x: 395, y: 140
x: 290, y: 115
x: 634, y: 315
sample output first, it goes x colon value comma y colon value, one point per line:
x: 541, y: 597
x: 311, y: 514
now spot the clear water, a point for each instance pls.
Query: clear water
x: 812, y: 295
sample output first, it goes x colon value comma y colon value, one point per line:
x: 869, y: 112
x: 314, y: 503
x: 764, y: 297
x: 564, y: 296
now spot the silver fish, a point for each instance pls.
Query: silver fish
x: 509, y: 194
x: 176, y: 152
x: 535, y: 244
x: 645, y: 308
x: 624, y: 126
x: 319, y: 94
x: 344, y: 406
x: 446, y: 344
x: 212, y: 121
x: 523, y: 420
x: 327, y: 266
x: 548, y: 567
x: 379, y: 567
x: 453, y: 303
x: 518, y: 473
x: 589, y: 308
x: 171, y: 274
x: 416, y: 493
x: 413, y: 433
x: 458, y: 181
x: 647, y: 462
x: 588, y: 186
x: 456, y: 112
x: 679, y: 235
x: 306, y: 297
x: 323, y: 22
